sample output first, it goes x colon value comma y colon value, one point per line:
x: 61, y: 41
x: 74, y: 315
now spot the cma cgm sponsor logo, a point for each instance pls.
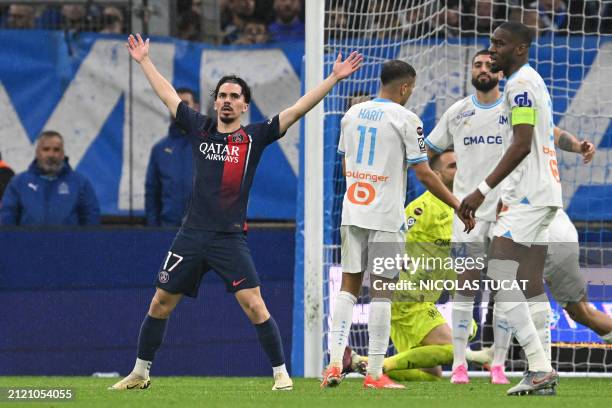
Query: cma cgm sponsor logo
x: 466, y: 114
x: 220, y: 152
x: 474, y: 140
x: 523, y: 100
x: 361, y: 193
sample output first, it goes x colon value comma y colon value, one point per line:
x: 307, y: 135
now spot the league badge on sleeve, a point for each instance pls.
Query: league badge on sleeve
x: 421, y: 141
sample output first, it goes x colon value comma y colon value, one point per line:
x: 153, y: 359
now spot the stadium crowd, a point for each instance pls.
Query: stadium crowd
x: 244, y: 22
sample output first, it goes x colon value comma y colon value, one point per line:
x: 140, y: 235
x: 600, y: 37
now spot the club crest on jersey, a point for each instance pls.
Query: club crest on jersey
x: 220, y: 152
x: 466, y: 114
x: 235, y: 138
x: 421, y: 141
x: 523, y: 100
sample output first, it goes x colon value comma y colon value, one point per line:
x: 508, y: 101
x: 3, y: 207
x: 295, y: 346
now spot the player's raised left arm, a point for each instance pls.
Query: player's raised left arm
x: 570, y: 143
x: 341, y: 70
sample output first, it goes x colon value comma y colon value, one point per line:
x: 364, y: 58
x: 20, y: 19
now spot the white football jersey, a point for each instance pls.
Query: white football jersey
x: 475, y: 131
x: 536, y: 180
x: 379, y: 140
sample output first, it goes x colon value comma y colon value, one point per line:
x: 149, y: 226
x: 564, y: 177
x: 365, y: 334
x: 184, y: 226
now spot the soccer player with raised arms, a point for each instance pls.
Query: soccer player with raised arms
x: 531, y: 196
x: 379, y: 140
x: 212, y: 236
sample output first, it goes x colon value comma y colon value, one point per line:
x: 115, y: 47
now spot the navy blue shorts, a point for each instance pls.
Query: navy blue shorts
x: 194, y: 252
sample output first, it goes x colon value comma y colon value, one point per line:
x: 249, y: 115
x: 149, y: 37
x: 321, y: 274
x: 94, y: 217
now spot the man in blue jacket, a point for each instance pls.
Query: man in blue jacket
x: 169, y: 174
x: 49, y: 192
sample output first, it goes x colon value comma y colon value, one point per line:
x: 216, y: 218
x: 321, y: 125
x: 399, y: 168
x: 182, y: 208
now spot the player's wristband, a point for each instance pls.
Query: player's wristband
x: 484, y: 188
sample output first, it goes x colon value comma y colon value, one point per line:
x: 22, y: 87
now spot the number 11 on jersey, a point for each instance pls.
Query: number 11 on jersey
x: 362, y: 136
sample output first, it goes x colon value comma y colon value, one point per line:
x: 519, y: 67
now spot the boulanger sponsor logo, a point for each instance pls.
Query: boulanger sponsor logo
x: 220, y: 152
x: 361, y: 193
x: 375, y: 178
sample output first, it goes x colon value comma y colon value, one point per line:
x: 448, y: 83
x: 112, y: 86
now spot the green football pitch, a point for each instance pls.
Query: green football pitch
x: 255, y: 392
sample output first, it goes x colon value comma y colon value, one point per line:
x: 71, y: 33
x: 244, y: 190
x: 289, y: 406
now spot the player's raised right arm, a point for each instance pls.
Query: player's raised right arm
x: 139, y: 50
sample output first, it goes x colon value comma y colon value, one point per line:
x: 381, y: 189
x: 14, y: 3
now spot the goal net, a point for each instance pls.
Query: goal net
x: 573, y: 55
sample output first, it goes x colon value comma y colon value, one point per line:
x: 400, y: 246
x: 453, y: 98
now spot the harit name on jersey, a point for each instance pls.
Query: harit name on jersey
x: 220, y: 152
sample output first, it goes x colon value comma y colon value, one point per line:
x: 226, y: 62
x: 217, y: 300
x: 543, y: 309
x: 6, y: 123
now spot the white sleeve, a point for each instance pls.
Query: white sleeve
x: 414, y: 140
x: 440, y: 138
x: 521, y: 92
x: 341, y: 147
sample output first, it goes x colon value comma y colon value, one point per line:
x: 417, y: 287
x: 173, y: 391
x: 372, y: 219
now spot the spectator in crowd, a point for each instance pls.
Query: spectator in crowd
x: 449, y: 19
x: 417, y: 24
x: 552, y: 14
x: 489, y: 15
x: 168, y: 183
x: 237, y: 12
x: 483, y: 9
x: 190, y: 26
x: 561, y: 16
x: 112, y: 20
x: 74, y: 17
x: 605, y: 14
x: 287, y: 25
x: 336, y: 21
x: 528, y: 16
x: 254, y: 32
x: 49, y: 192
x: 6, y: 173
x: 20, y: 16
x: 385, y: 21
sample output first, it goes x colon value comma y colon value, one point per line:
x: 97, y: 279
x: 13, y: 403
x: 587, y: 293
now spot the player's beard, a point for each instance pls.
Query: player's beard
x: 485, y: 86
x: 50, y: 166
x: 226, y: 119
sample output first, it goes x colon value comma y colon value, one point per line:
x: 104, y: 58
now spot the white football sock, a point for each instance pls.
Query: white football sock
x: 142, y: 368
x: 279, y: 369
x: 501, y: 337
x: 607, y: 338
x: 540, y: 311
x: 513, y: 305
x: 379, y: 328
x: 340, y: 327
x: 519, y: 321
x: 461, y: 315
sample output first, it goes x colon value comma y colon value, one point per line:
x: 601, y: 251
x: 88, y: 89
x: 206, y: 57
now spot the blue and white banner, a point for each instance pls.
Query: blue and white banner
x: 86, y: 88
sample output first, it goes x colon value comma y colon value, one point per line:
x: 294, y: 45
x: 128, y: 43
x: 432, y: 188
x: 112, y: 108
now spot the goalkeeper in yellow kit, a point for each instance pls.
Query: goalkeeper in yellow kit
x: 419, y: 332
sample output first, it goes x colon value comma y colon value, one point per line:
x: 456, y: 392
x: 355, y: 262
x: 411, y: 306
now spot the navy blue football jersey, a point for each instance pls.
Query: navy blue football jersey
x: 224, y: 167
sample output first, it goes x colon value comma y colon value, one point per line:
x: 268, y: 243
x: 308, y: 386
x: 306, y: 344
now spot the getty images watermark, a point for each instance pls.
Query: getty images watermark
x: 428, y: 267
